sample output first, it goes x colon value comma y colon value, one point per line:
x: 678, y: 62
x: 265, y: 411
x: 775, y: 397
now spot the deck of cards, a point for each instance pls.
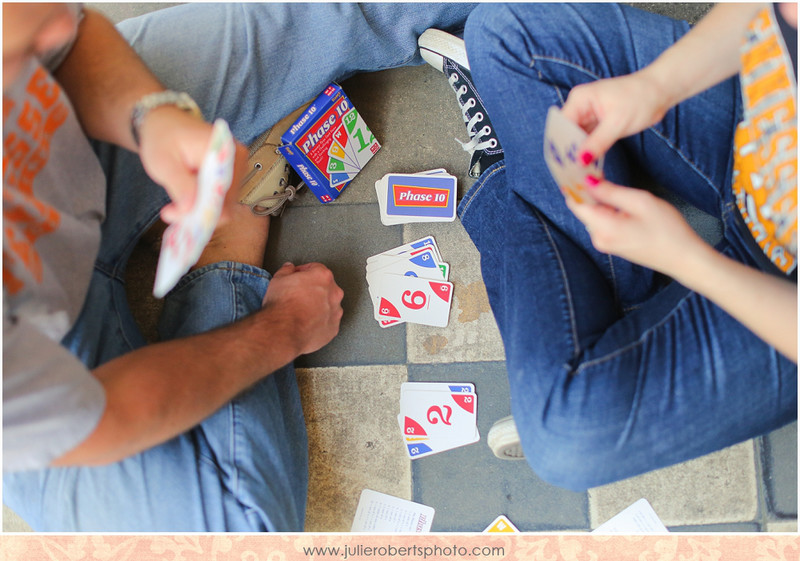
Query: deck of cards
x: 329, y: 144
x: 184, y: 241
x: 435, y: 417
x: 409, y: 284
x: 428, y: 196
x: 562, y: 138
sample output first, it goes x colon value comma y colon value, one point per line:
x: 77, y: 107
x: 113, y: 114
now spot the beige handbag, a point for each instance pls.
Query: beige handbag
x: 266, y: 188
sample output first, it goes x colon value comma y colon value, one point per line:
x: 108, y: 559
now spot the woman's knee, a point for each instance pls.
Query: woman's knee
x: 567, y: 461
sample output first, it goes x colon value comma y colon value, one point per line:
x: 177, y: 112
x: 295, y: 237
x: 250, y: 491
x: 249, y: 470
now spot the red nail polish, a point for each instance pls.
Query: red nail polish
x: 587, y: 158
x: 592, y: 181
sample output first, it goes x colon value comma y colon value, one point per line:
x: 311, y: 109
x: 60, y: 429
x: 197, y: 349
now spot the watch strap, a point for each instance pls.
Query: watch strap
x: 147, y: 103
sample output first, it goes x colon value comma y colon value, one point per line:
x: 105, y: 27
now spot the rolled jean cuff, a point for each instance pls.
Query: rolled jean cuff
x: 212, y: 296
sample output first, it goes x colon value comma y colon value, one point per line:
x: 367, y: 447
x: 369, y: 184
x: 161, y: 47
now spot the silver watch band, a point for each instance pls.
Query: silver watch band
x: 147, y: 103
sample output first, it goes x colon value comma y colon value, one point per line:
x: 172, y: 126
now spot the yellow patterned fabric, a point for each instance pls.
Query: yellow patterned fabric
x: 765, y: 157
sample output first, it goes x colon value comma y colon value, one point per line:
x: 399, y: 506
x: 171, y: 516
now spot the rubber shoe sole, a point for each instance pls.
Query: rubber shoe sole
x: 435, y: 45
x: 503, y: 439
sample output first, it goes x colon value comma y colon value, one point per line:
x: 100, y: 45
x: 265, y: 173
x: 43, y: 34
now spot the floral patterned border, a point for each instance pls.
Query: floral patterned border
x: 304, y: 547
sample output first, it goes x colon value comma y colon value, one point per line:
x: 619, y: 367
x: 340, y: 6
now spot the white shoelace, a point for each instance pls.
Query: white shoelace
x: 476, y: 142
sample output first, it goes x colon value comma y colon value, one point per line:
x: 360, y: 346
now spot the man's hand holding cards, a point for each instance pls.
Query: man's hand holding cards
x: 184, y: 241
x: 562, y: 139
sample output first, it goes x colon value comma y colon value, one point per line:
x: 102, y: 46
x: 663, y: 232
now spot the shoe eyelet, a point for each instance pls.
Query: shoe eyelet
x: 454, y: 76
x: 485, y: 130
x: 282, y: 182
x: 478, y: 117
x: 462, y: 90
x: 493, y: 143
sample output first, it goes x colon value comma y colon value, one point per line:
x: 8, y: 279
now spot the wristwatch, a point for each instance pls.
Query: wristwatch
x: 181, y: 100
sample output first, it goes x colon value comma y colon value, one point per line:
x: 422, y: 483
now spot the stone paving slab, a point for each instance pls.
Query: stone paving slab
x: 779, y: 457
x: 714, y: 489
x: 354, y: 440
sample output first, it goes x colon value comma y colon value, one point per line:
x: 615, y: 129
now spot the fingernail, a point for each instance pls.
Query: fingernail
x: 587, y: 158
x: 592, y: 181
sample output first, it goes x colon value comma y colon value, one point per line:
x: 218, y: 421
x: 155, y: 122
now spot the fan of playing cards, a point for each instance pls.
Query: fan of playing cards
x: 183, y: 241
x: 428, y: 196
x: 409, y: 284
x: 435, y: 417
x: 562, y: 138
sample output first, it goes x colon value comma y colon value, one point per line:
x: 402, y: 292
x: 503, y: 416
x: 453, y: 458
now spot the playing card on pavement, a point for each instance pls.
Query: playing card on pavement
x: 417, y: 244
x: 400, y: 269
x: 414, y: 300
x: 435, y: 417
x: 418, y: 263
x: 379, y: 512
x: 562, y: 138
x: 184, y: 241
x: 428, y: 196
x: 501, y: 524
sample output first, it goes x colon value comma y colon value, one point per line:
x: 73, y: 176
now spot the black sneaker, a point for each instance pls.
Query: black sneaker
x: 447, y: 54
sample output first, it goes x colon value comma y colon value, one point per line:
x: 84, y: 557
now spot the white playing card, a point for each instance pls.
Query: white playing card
x: 382, y: 190
x: 379, y: 512
x: 439, y: 414
x: 416, y: 244
x: 435, y: 417
x: 449, y: 387
x: 414, y: 300
x: 461, y: 393
x: 184, y: 241
x: 414, y: 259
x: 638, y: 518
x: 562, y: 138
x: 420, y: 263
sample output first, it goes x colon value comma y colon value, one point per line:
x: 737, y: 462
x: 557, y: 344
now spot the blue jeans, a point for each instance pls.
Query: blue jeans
x: 613, y: 370
x: 245, y: 468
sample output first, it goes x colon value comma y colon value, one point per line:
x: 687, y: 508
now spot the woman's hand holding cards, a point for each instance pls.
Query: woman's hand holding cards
x: 637, y: 226
x: 611, y: 109
x: 630, y: 223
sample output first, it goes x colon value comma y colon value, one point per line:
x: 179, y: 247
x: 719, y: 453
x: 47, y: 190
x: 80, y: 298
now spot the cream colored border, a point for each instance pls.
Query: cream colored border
x: 291, y: 547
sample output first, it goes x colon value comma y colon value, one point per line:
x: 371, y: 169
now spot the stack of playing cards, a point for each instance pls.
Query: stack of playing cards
x: 409, y: 284
x: 562, y: 138
x: 184, y: 241
x: 435, y: 417
x: 428, y: 196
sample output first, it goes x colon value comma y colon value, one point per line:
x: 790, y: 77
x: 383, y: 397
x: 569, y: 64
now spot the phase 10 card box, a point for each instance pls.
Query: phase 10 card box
x: 329, y: 144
